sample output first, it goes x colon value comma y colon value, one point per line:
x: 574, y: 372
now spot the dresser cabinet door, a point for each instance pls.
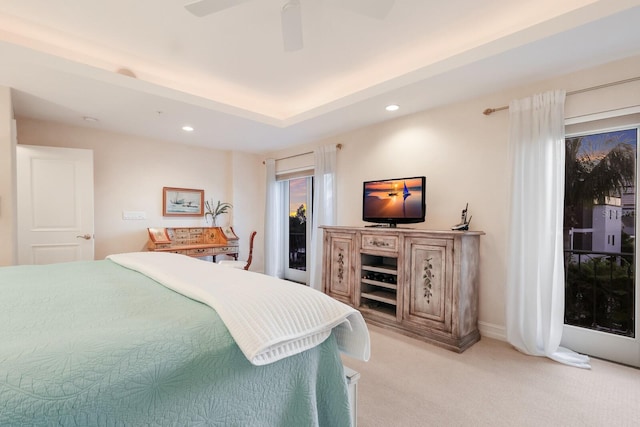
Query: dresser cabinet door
x: 339, y: 271
x: 428, y: 294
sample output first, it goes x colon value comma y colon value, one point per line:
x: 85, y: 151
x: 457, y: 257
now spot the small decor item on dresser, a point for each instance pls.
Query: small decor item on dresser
x: 182, y: 202
x: 214, y: 210
x: 464, y: 222
x: 159, y: 235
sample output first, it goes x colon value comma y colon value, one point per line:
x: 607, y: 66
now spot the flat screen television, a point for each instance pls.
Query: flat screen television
x: 394, y: 201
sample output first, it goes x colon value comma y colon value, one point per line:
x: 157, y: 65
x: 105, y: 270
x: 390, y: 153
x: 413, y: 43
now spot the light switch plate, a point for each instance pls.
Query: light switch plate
x: 134, y: 215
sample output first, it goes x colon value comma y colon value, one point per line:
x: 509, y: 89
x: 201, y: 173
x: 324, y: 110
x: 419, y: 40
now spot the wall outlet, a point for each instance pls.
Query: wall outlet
x: 134, y: 215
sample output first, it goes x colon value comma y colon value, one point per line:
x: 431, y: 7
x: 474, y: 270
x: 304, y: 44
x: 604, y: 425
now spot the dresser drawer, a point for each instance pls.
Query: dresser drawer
x: 200, y: 251
x: 195, y: 237
x: 380, y: 242
x: 181, y: 233
x: 159, y: 246
x: 225, y: 250
x: 177, y: 251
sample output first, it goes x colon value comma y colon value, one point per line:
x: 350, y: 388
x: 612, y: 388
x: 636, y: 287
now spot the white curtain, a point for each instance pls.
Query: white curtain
x: 324, y: 207
x: 273, y: 227
x: 535, y: 277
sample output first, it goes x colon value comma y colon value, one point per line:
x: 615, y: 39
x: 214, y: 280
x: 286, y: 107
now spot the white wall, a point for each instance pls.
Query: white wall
x: 129, y: 173
x: 7, y: 177
x: 464, y: 155
x: 248, y: 189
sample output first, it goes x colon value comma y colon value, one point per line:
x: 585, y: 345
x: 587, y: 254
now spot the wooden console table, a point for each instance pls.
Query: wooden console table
x: 421, y: 283
x: 194, y: 241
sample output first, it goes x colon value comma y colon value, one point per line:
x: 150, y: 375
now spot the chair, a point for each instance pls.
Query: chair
x: 241, y: 264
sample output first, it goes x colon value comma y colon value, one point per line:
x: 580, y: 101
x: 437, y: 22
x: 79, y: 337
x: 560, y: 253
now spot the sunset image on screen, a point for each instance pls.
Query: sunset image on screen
x: 400, y: 198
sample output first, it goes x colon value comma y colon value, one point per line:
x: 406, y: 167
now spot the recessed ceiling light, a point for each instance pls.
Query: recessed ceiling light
x: 187, y: 128
x: 89, y: 119
x: 392, y: 107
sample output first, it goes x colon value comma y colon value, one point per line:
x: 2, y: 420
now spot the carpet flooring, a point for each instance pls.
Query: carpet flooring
x: 408, y: 382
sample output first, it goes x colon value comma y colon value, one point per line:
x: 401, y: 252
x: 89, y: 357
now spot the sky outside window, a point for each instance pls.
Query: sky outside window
x: 297, y: 195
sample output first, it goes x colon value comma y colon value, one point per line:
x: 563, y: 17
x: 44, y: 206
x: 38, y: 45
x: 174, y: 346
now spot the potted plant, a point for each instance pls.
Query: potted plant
x: 214, y: 210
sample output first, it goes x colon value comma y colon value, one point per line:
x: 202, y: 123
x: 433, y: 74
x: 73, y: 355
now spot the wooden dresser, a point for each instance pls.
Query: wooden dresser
x: 421, y: 283
x: 194, y: 241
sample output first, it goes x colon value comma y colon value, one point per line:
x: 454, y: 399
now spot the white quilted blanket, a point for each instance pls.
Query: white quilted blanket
x: 269, y: 318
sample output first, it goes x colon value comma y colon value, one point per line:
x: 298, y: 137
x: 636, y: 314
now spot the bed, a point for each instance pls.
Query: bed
x: 164, y: 339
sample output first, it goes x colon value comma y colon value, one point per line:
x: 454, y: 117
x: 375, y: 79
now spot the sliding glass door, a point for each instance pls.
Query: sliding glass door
x: 298, y: 228
x: 601, y: 289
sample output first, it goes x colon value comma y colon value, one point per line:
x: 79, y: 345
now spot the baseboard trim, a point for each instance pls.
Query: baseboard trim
x: 491, y: 330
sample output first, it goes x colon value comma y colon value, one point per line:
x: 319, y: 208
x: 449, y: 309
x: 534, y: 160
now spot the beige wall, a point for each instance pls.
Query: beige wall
x: 248, y: 190
x: 7, y: 177
x: 464, y: 155
x: 129, y: 173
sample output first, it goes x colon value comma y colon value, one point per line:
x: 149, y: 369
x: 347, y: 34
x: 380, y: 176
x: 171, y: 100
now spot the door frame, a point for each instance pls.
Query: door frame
x: 292, y: 273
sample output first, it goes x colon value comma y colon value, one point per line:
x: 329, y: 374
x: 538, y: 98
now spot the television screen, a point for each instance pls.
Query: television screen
x: 394, y: 201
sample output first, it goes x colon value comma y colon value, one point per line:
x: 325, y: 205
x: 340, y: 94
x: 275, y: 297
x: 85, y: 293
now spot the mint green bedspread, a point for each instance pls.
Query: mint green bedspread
x: 93, y: 343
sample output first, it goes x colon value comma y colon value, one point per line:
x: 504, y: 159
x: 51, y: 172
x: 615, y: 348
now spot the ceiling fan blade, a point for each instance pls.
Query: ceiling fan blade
x: 377, y: 9
x: 292, y: 26
x: 206, y: 7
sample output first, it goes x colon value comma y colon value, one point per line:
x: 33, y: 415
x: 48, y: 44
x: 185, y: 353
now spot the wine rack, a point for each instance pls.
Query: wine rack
x: 379, y: 284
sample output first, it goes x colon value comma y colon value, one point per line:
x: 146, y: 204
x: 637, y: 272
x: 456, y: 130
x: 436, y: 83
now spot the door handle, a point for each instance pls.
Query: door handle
x: 85, y: 237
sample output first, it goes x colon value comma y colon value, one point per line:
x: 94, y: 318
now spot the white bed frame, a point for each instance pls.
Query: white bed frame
x: 352, y: 384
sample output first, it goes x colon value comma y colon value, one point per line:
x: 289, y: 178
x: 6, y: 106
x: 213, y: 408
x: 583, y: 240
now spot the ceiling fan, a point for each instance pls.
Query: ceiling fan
x: 291, y: 15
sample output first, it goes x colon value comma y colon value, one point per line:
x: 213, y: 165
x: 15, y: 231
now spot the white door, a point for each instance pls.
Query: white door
x: 55, y: 204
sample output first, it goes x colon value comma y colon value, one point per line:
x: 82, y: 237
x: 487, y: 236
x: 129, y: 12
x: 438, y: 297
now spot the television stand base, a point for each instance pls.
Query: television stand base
x: 422, y: 283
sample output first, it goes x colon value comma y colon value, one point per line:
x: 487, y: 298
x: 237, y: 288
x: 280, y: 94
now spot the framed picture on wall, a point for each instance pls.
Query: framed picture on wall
x: 182, y: 202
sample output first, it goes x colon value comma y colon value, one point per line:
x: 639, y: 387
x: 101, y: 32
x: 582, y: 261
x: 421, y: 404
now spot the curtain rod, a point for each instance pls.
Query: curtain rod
x: 338, y: 146
x: 489, y: 111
